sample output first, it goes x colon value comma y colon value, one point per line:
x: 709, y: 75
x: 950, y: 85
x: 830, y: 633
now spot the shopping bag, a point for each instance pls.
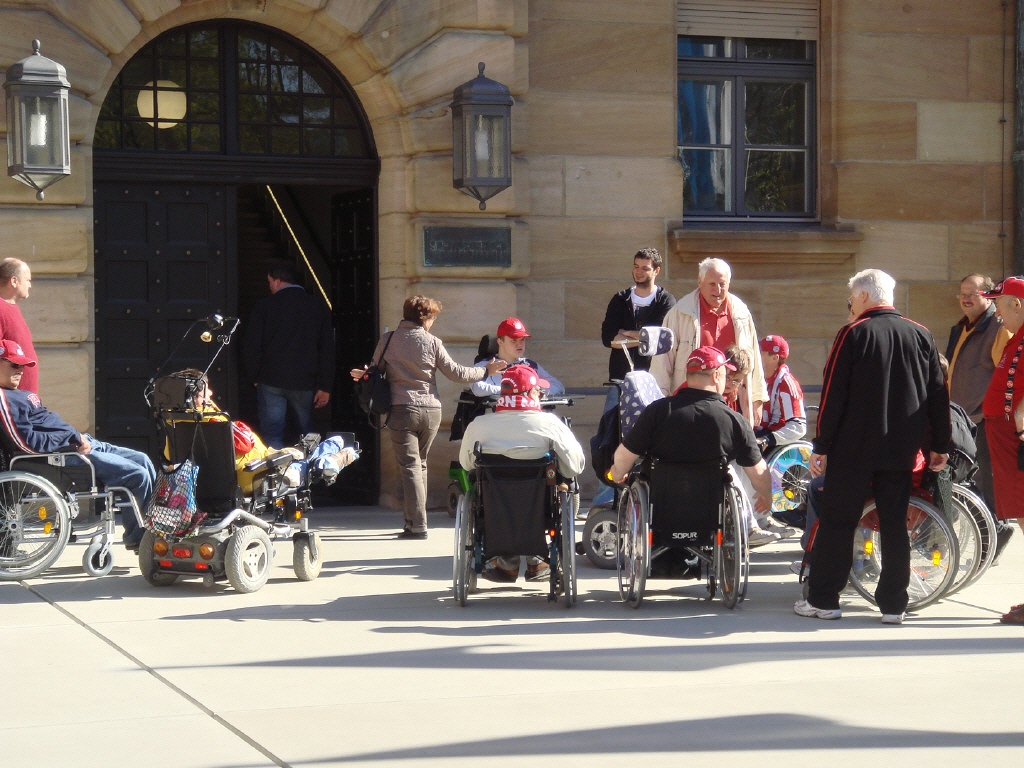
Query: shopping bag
x: 172, y: 510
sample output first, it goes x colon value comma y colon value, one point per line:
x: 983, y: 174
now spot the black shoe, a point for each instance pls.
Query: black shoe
x: 1003, y: 535
x: 407, y: 534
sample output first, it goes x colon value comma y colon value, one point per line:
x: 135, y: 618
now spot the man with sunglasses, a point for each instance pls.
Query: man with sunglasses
x: 27, y: 427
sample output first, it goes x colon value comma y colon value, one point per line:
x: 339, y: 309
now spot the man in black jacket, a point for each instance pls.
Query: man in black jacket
x: 288, y: 351
x: 630, y: 310
x: 883, y: 399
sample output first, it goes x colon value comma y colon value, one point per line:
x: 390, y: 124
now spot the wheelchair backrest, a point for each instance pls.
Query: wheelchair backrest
x: 517, y: 499
x: 487, y: 348
x: 175, y: 393
x: 211, y: 446
x: 686, y: 499
x: 638, y: 390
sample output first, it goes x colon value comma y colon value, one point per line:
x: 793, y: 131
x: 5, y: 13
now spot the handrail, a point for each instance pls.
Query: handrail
x: 299, y: 233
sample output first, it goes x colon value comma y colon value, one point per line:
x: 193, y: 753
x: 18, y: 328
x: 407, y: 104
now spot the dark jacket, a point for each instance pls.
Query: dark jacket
x: 619, y: 315
x: 29, y: 427
x: 289, y: 342
x: 973, y: 369
x: 883, y: 397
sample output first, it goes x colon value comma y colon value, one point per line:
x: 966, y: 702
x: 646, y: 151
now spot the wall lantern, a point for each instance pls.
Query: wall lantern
x: 481, y: 138
x: 162, y: 103
x: 38, y: 142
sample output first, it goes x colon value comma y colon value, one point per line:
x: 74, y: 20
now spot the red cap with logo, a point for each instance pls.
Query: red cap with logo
x: 520, y: 379
x: 775, y: 344
x: 513, y: 328
x: 707, y: 359
x: 11, y: 350
x: 1011, y: 286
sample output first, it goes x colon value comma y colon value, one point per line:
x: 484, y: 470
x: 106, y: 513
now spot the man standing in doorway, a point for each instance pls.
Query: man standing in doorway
x: 288, y: 351
x: 883, y: 400
x: 15, y: 286
x: 711, y: 317
x: 975, y: 345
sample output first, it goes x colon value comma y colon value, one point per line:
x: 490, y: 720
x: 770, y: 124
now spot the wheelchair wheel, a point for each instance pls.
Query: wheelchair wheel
x: 306, y: 564
x: 147, y: 563
x: 248, y: 559
x: 789, y: 467
x: 98, y: 560
x: 601, y: 537
x: 731, y: 551
x: 968, y: 540
x: 933, y: 554
x: 977, y: 508
x: 568, y: 554
x: 634, y: 552
x: 463, y: 567
x: 35, y: 525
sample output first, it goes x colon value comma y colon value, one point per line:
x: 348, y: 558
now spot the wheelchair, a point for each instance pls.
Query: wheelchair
x: 692, y: 509
x: 234, y: 541
x: 935, y: 551
x: 47, y: 502
x: 515, y: 507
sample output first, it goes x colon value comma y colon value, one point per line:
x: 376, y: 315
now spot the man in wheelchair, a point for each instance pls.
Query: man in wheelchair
x: 695, y: 426
x: 519, y: 429
x: 30, y: 428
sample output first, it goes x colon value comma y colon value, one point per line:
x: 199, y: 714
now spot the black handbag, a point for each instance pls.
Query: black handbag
x: 374, y: 392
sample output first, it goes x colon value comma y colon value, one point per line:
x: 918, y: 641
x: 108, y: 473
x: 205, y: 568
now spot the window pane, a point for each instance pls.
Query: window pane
x: 774, y: 182
x: 174, y: 139
x: 203, y: 106
x: 205, y: 138
x: 705, y: 112
x: 106, y: 136
x: 252, y: 77
x: 799, y: 50
x: 704, y: 47
x: 316, y: 110
x: 285, y: 109
x: 775, y: 113
x: 252, y: 109
x: 252, y: 138
x: 137, y: 72
x: 707, y: 180
x: 138, y: 135
x: 312, y: 77
x: 252, y: 46
x: 284, y: 78
x: 204, y: 43
x: 171, y: 70
x: 285, y: 141
x: 316, y: 142
x: 173, y: 45
x: 349, y: 144
x: 205, y: 74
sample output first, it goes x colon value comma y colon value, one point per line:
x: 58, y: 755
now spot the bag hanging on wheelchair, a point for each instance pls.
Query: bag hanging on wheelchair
x: 374, y: 392
x: 172, y: 511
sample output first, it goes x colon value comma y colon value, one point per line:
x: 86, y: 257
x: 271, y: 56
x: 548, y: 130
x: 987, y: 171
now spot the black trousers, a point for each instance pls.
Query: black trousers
x: 847, y: 490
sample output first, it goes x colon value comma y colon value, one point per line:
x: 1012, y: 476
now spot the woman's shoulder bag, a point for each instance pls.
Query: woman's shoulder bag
x: 374, y: 392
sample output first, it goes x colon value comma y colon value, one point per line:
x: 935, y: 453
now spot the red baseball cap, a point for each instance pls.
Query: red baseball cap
x: 519, y: 379
x: 1011, y: 286
x: 774, y: 344
x: 11, y: 350
x: 707, y: 359
x: 513, y: 328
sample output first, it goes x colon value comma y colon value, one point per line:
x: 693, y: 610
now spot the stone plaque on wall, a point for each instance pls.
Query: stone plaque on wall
x: 467, y: 246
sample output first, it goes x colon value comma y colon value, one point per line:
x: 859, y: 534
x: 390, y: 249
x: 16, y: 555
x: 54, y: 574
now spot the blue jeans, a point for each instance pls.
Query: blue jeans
x: 127, y: 468
x: 273, y: 404
x: 606, y: 493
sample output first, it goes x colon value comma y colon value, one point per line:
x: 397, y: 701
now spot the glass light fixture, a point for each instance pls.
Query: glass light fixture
x: 162, y: 103
x: 481, y: 138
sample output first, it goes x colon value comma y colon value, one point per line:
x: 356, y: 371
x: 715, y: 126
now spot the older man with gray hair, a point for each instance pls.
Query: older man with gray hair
x: 883, y: 399
x: 711, y: 316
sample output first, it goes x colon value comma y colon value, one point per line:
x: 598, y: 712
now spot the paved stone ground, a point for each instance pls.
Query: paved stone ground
x: 373, y: 664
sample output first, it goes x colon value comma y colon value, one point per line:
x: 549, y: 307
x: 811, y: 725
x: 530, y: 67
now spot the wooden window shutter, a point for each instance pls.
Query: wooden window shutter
x: 771, y: 19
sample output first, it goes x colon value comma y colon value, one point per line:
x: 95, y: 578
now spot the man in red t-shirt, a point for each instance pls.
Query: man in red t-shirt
x: 15, y: 285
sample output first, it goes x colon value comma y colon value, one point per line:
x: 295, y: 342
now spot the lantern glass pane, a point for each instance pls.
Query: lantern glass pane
x: 486, y: 149
x: 41, y: 129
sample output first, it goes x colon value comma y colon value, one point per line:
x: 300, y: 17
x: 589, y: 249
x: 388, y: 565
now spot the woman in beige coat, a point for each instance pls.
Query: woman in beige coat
x: 411, y: 360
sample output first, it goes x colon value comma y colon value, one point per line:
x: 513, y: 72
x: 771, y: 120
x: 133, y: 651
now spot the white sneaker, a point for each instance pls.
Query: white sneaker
x: 758, y: 537
x: 804, y: 608
x: 893, y: 618
x: 783, y: 531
